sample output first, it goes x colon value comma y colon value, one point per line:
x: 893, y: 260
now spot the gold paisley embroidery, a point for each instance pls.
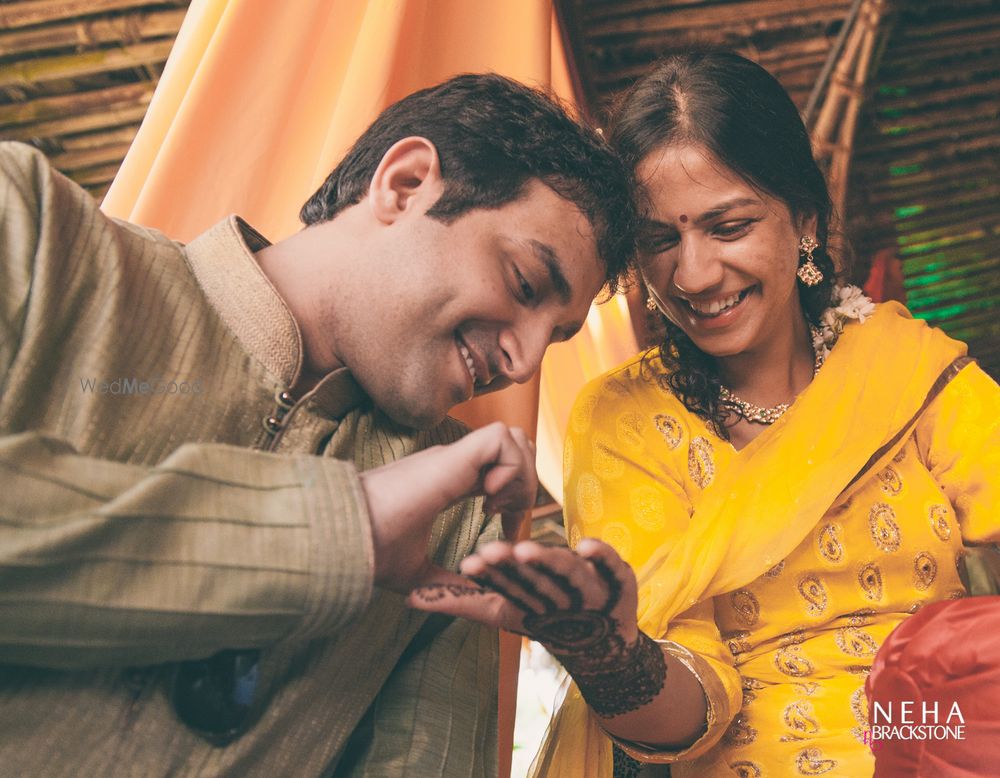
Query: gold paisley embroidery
x: 870, y: 579
x: 740, y: 733
x: 885, y: 531
x: 748, y: 697
x: 670, y: 428
x: 737, y: 642
x: 746, y: 606
x: 862, y: 670
x: 589, y: 498
x: 792, y: 638
x: 957, y: 594
x: 861, y: 735
x: 606, y: 462
x: 900, y: 455
x: 648, y: 508
x: 939, y: 521
x: 814, y: 593
x: 853, y: 642
x: 924, y: 571
x: 618, y: 536
x: 890, y: 481
x: 775, y: 571
x: 914, y: 607
x: 810, y: 761
x: 701, y: 468
x: 745, y: 769
x: 629, y: 429
x: 800, y: 718
x: 583, y: 414
x: 859, y: 706
x: 753, y: 683
x: 830, y: 547
x: 790, y: 661
x: 808, y: 688
x: 860, y: 618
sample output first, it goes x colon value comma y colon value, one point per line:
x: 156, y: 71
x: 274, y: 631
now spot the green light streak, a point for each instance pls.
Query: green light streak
x: 906, y: 211
x: 905, y: 170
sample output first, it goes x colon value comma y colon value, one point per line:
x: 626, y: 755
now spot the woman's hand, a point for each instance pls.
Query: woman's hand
x: 581, y: 605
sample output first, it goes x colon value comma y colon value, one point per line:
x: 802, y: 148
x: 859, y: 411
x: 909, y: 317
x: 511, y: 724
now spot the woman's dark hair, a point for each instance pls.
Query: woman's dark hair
x: 738, y: 112
x: 493, y: 135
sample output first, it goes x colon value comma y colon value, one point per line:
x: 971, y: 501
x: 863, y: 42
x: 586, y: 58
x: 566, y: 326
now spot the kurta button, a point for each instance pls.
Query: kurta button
x: 284, y: 399
x: 272, y: 425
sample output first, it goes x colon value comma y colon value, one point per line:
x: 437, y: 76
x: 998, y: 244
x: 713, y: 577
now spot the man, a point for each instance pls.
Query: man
x: 223, y: 462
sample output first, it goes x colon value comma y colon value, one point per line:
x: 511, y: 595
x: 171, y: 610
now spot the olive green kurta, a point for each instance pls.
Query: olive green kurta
x: 144, y: 519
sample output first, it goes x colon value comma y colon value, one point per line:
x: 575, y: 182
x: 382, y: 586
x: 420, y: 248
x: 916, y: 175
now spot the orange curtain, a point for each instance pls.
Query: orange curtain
x: 260, y: 99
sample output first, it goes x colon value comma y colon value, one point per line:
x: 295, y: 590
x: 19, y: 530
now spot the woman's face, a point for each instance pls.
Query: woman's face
x: 719, y: 256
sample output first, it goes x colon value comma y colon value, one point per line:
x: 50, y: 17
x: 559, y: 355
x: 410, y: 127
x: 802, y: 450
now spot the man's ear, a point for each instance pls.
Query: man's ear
x: 407, y: 178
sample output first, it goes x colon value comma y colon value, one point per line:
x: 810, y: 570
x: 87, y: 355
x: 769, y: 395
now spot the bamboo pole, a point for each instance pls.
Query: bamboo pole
x: 90, y: 158
x: 97, y: 175
x: 29, y: 72
x: 979, y: 180
x: 747, y: 14
x: 925, y: 120
x: 51, y: 108
x: 130, y: 114
x: 93, y: 32
x: 104, y: 138
x: 960, y: 43
x: 617, y: 8
x: 902, y: 144
x: 29, y: 12
x: 950, y: 71
x: 939, y: 97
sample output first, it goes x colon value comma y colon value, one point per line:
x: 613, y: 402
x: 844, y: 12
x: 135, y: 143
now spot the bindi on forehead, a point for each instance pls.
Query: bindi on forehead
x: 684, y: 218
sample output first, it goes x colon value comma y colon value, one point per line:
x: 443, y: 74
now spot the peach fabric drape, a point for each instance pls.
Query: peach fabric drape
x: 258, y: 102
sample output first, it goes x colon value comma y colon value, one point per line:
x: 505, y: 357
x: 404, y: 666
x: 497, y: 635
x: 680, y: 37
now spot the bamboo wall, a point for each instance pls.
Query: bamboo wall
x: 76, y: 77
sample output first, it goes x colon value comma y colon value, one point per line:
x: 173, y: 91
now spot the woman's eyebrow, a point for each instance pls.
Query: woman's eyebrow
x: 721, y: 208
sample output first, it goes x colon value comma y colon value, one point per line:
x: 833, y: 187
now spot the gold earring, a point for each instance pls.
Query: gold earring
x: 651, y: 305
x: 808, y: 272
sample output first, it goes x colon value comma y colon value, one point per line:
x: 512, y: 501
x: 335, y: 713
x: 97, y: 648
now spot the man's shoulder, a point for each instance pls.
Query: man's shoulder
x: 17, y: 155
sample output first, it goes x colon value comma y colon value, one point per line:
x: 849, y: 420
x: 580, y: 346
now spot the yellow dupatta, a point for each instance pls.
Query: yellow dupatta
x: 852, y: 417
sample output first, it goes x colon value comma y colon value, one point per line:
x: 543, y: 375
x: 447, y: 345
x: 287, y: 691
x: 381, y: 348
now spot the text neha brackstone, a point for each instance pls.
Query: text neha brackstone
x: 140, y: 386
x: 909, y: 720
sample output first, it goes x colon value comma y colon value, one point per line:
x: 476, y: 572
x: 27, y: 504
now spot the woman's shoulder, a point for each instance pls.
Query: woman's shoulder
x: 634, y: 397
x: 640, y: 379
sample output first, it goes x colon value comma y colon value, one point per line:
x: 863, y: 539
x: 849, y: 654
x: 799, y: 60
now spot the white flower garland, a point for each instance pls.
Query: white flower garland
x: 852, y: 305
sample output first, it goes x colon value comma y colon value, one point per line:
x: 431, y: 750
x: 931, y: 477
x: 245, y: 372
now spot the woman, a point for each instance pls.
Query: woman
x: 792, y: 472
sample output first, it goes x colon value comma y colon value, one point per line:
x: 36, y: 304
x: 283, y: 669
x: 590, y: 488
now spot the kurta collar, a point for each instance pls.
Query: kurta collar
x: 223, y: 262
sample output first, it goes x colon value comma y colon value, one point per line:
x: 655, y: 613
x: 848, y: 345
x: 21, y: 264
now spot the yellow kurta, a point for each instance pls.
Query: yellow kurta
x: 783, y: 657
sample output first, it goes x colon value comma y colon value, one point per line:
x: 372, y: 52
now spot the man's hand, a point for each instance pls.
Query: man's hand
x: 581, y: 605
x: 405, y: 497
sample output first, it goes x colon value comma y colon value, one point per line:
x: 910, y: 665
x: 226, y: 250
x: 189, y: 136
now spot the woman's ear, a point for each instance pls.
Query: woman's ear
x: 807, y: 224
x: 408, y: 177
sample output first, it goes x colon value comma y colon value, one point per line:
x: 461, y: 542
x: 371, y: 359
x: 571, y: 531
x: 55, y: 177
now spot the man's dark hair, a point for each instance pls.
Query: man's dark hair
x: 493, y: 136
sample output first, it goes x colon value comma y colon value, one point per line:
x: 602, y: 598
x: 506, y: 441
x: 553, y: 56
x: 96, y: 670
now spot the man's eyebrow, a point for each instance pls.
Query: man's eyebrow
x: 549, y: 258
x: 721, y: 208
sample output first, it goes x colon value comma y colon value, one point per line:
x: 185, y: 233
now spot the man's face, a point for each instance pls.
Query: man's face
x: 469, y: 307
